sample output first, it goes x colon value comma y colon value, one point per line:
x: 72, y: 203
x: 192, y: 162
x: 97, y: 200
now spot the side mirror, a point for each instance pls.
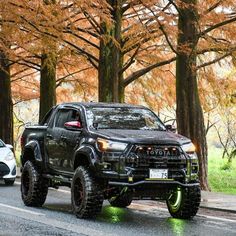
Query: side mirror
x: 9, y: 146
x: 73, y: 125
x: 171, y: 128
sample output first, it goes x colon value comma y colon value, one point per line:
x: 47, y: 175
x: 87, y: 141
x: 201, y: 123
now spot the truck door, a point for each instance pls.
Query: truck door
x: 54, y: 141
x: 72, y: 137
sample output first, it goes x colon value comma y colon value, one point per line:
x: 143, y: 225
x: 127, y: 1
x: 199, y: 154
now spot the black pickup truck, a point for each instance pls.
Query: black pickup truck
x: 118, y: 152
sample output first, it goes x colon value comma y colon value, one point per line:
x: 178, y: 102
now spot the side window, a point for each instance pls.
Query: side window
x: 62, y: 118
x: 65, y: 115
x: 74, y: 116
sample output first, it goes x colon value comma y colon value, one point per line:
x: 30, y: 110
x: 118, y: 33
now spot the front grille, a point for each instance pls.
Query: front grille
x: 4, y: 169
x: 142, y: 158
x: 151, y: 156
x: 156, y: 151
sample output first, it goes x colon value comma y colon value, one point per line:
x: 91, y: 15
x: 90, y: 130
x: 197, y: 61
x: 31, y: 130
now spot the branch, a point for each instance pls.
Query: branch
x: 213, y: 7
x: 26, y: 75
x: 88, y: 56
x: 161, y: 27
x: 137, y: 74
x: 131, y: 61
x: 175, y: 6
x: 213, y: 61
x: 26, y: 63
x: 126, y: 7
x: 217, y: 49
x: 92, y: 59
x: 217, y: 26
x: 19, y: 72
x: 88, y: 32
x: 82, y: 38
x: 140, y: 42
x: 61, y: 80
x: 93, y: 22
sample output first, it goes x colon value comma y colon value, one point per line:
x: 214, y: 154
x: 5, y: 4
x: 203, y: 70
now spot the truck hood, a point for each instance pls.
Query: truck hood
x: 143, y: 136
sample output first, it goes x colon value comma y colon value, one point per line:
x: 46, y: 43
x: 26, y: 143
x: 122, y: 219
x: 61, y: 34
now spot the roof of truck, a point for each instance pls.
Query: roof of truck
x: 100, y: 104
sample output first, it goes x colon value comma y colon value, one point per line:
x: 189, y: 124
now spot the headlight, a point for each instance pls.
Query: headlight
x: 188, y: 148
x: 9, y: 156
x: 105, y: 145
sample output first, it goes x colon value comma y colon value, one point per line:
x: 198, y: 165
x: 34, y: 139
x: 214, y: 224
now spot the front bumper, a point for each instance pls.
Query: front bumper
x: 150, y: 189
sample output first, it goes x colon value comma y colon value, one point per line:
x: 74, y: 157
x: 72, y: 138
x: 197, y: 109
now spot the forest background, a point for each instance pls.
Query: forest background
x: 175, y: 56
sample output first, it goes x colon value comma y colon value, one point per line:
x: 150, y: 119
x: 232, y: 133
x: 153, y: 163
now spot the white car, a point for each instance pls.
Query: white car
x: 7, y: 164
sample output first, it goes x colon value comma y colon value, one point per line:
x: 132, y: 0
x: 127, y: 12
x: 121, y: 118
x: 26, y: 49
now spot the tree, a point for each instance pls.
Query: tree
x: 6, y: 106
x: 125, y: 40
x: 110, y: 56
x: 47, y: 81
x: 200, y: 42
x: 111, y: 35
x: 190, y: 121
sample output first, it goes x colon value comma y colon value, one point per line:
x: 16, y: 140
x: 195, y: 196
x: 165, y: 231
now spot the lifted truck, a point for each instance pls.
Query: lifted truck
x: 109, y: 151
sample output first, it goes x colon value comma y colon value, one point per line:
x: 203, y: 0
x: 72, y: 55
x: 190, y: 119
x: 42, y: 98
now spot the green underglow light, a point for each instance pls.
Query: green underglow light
x: 177, y: 226
x: 113, y: 214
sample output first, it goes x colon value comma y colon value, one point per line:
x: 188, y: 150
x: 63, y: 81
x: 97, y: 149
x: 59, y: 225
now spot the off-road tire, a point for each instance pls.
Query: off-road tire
x: 86, y: 194
x: 9, y: 182
x: 122, y: 201
x: 34, y: 187
x: 184, y: 202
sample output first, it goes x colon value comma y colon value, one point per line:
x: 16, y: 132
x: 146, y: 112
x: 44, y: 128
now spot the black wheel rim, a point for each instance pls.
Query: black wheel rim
x: 78, y: 193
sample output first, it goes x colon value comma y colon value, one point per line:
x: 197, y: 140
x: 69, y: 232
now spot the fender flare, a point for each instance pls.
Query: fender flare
x: 34, y: 147
x: 88, y: 152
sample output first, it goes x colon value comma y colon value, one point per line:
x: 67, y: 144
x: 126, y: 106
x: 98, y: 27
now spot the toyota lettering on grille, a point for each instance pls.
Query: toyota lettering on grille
x: 158, y: 152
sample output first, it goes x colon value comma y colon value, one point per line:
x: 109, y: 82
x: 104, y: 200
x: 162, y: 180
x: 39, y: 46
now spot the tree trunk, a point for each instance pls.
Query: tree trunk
x: 6, y: 105
x: 111, y: 59
x: 190, y: 120
x: 47, y: 83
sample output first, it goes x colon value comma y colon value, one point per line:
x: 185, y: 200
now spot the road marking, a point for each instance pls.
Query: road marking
x: 22, y: 210
x: 217, y: 218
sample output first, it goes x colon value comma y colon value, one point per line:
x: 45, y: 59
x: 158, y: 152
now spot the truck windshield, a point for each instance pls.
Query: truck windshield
x: 123, y: 118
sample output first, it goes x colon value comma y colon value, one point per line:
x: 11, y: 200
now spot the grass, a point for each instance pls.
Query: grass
x: 221, y: 175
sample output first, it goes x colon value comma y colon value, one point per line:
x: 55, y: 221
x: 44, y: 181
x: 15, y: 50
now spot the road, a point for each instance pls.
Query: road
x: 141, y: 218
